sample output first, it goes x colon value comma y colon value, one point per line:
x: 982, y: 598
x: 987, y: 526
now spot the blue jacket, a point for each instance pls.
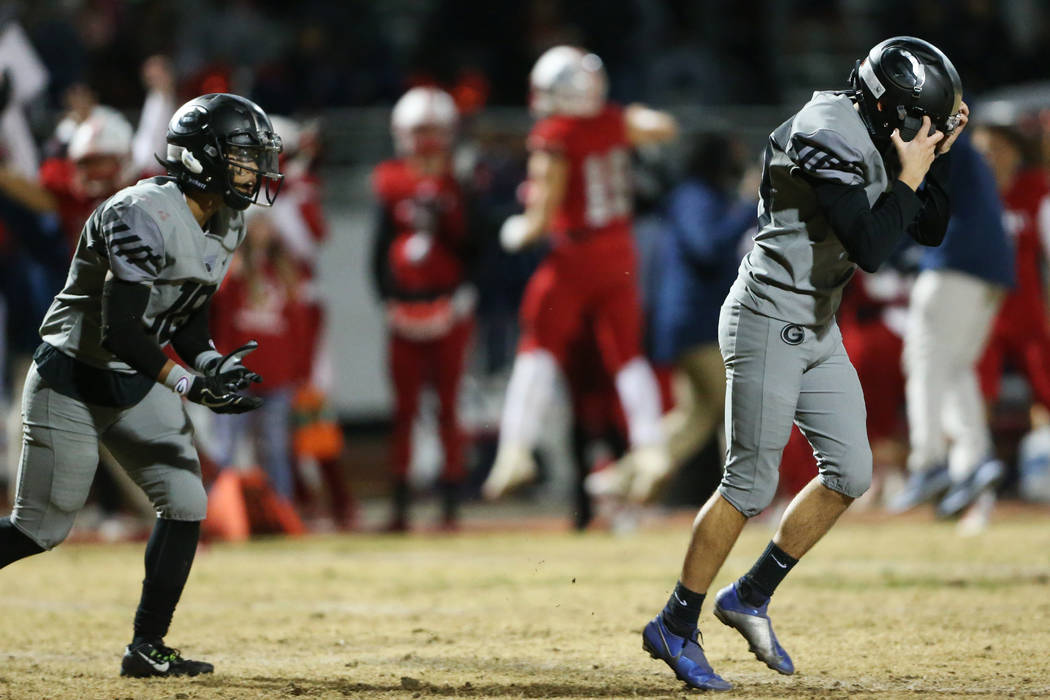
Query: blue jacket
x: 698, y: 263
x: 976, y: 242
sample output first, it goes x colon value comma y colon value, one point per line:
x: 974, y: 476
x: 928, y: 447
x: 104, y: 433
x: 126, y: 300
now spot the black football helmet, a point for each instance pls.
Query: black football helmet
x: 225, y: 144
x: 901, y: 80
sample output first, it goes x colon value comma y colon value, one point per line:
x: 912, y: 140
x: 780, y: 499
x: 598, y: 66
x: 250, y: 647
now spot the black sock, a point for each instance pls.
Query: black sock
x: 402, y: 498
x: 756, y: 586
x: 169, y: 556
x: 15, y: 544
x: 449, y: 499
x: 683, y: 610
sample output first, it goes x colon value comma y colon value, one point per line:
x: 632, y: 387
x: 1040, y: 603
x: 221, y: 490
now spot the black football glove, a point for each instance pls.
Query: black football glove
x: 230, y: 366
x: 219, y: 393
x: 218, y: 388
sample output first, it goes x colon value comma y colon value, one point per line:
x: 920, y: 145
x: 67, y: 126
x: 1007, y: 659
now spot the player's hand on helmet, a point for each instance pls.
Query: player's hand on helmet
x: 230, y: 366
x: 916, y: 155
x: 962, y: 118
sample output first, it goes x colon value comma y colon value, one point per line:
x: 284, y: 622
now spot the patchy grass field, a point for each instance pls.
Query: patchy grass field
x: 892, y: 609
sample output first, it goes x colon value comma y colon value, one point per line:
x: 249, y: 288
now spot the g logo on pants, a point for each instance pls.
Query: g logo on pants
x: 792, y: 334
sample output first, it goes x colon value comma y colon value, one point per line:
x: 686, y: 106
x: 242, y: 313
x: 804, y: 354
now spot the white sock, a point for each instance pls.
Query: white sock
x: 640, y: 396
x: 528, y: 397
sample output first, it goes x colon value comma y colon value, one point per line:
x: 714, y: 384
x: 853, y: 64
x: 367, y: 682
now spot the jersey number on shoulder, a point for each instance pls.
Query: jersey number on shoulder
x: 192, y: 296
x: 607, y: 186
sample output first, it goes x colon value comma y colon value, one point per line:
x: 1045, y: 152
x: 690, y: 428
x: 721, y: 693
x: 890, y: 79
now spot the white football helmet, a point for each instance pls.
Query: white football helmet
x: 569, y: 81
x: 105, y: 133
x: 424, y: 121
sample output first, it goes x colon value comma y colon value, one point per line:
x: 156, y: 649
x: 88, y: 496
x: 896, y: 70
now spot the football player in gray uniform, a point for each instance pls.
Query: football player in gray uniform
x: 844, y: 180
x: 146, y: 265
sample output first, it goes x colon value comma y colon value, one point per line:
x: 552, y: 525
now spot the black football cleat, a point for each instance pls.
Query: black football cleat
x: 151, y: 659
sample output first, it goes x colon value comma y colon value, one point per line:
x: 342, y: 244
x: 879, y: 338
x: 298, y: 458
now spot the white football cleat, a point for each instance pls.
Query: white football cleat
x: 514, y: 467
x: 612, y: 482
x: 652, y: 468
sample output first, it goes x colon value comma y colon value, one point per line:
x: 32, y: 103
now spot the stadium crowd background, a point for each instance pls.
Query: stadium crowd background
x: 337, y: 68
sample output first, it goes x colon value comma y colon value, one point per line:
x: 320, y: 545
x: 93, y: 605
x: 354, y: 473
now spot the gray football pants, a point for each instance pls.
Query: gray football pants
x: 152, y: 441
x: 778, y: 373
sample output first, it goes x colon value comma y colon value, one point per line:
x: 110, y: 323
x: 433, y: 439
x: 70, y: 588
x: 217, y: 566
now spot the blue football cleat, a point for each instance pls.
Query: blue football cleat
x: 960, y: 495
x: 684, y: 655
x: 756, y: 627
x: 922, y: 487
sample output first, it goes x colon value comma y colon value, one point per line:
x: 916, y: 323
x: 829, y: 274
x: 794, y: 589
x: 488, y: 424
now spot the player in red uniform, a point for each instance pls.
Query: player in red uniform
x: 579, y: 193
x: 1021, y: 332
x: 421, y: 267
x: 97, y: 164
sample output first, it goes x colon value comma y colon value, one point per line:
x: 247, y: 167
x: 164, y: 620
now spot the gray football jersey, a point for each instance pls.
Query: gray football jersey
x: 144, y: 233
x: 798, y: 267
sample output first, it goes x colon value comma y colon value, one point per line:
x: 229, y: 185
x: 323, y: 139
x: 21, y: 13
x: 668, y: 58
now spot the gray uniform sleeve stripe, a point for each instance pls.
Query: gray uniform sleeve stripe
x: 825, y: 155
x: 134, y: 243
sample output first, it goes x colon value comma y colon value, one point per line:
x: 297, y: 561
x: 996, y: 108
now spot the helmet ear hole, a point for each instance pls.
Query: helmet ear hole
x: 191, y: 162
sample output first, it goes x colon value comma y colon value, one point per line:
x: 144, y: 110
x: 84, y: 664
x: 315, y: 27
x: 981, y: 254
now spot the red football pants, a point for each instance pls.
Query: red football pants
x: 591, y: 282
x: 439, y: 362
x: 1028, y: 346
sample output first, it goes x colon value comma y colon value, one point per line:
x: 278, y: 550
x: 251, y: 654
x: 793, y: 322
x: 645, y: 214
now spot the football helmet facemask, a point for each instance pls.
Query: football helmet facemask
x: 225, y: 144
x: 567, y: 81
x: 901, y: 80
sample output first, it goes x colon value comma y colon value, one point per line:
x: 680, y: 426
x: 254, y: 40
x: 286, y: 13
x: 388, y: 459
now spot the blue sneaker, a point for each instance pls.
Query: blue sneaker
x: 684, y: 655
x: 922, y: 487
x: 755, y: 625
x: 960, y: 495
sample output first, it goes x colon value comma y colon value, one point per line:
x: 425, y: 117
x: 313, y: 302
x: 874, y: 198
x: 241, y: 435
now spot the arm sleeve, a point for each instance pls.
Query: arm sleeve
x: 123, y: 304
x: 931, y: 225
x: 869, y: 234
x: 193, y: 338
x: 132, y: 242
x: 708, y: 232
x: 384, y: 237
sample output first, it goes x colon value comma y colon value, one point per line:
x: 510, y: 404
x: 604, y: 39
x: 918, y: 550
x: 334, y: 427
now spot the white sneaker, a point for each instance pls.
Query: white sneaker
x: 652, y: 469
x: 513, y: 468
x: 612, y: 482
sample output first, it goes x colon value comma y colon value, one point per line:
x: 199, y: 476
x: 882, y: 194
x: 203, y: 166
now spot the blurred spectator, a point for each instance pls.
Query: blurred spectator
x: 953, y: 305
x: 259, y: 301
x: 1021, y: 333
x: 422, y: 264
x: 22, y: 77
x: 299, y: 220
x: 707, y: 216
x: 152, y: 130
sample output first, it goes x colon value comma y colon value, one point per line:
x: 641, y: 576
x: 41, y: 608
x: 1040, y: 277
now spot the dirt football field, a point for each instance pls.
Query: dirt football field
x: 883, y: 609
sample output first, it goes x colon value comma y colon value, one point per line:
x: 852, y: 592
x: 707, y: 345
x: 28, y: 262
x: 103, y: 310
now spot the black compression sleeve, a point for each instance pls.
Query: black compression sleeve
x: 869, y: 234
x: 123, y: 304
x: 931, y: 225
x: 194, y: 337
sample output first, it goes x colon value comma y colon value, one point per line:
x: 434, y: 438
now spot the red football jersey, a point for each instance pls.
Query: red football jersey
x: 1022, y: 203
x: 598, y: 196
x: 56, y: 175
x: 266, y: 312
x: 430, y: 228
